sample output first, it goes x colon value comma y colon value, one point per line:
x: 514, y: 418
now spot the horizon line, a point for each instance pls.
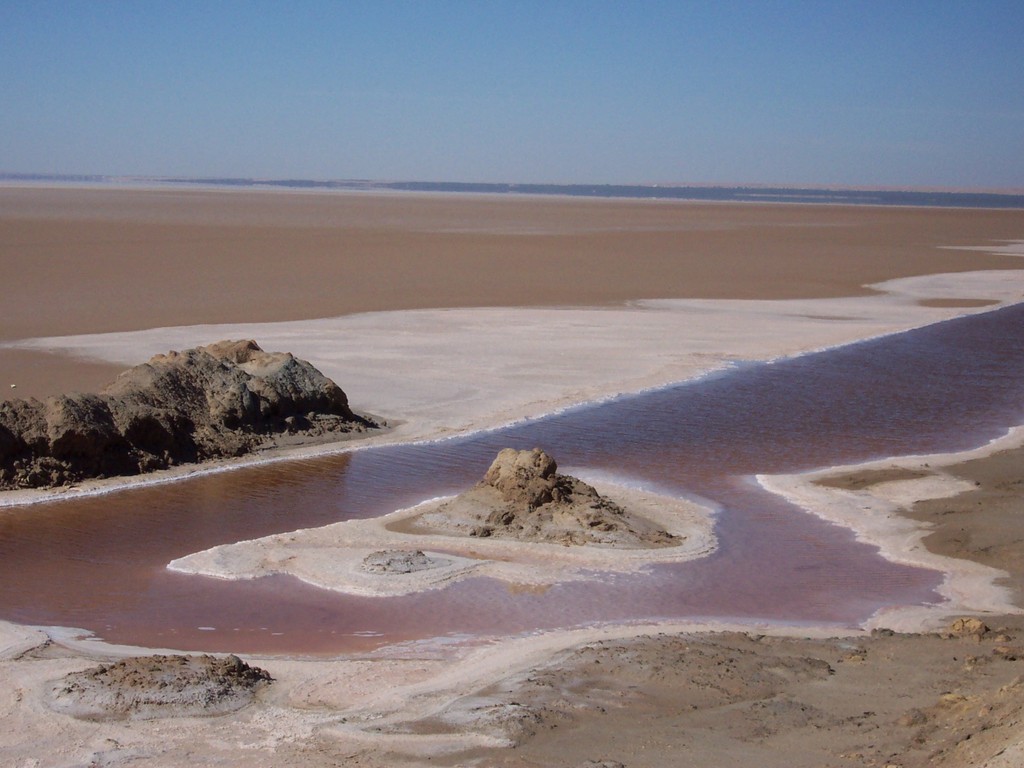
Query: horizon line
x: 754, y: 190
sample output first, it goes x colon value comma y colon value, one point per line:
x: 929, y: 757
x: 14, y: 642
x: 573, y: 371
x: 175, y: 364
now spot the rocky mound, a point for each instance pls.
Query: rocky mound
x: 222, y: 400
x: 523, y: 497
x: 159, y: 686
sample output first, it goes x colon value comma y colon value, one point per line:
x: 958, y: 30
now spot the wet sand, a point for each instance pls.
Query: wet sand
x: 562, y: 698
x: 966, y: 506
x: 28, y: 373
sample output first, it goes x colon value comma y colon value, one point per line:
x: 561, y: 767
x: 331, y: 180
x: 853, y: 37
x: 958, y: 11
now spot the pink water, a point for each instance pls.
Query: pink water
x: 99, y: 563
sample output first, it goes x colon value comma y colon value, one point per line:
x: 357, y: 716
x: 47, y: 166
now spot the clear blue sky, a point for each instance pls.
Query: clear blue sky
x: 850, y: 92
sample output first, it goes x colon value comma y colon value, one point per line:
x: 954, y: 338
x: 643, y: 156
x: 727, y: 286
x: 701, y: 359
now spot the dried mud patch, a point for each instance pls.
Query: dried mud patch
x: 158, y: 686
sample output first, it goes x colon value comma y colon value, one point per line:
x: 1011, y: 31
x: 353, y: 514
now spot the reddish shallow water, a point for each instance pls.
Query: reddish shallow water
x: 99, y: 563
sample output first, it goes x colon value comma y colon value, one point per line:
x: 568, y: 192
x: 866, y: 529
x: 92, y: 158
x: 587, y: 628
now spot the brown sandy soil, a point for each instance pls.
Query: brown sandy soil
x: 44, y: 374
x: 746, y: 699
x: 987, y: 524
x: 94, y: 260
x: 730, y: 698
x: 856, y: 481
x: 956, y: 303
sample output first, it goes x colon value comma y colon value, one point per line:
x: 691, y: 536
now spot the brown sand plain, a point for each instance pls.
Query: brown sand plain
x: 96, y: 260
x: 87, y: 261
x: 115, y: 259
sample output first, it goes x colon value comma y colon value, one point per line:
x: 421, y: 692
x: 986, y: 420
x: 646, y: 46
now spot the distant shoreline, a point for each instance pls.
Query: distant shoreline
x: 740, y: 193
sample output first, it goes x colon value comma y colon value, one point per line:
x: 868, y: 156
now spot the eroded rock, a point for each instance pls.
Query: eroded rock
x: 218, y: 401
x: 522, y: 496
x: 968, y: 626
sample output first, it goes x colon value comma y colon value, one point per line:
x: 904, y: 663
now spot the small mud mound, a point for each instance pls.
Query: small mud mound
x: 523, y: 497
x: 398, y: 561
x: 158, y: 686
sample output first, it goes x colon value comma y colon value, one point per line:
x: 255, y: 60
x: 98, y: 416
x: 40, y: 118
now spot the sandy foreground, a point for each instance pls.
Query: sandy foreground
x: 636, y: 695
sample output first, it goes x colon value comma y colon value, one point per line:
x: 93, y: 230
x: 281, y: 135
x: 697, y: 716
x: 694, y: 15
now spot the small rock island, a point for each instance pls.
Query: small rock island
x: 223, y: 400
x: 524, y: 523
x: 523, y: 497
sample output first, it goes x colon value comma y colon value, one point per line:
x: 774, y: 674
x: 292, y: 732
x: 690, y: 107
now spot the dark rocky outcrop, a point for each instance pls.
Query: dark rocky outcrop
x: 522, y: 496
x: 226, y: 399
